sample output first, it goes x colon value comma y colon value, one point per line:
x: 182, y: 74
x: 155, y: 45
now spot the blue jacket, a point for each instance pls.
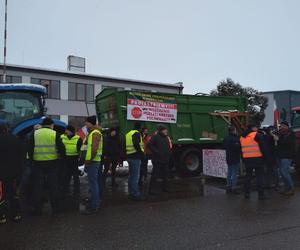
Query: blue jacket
x: 233, y: 149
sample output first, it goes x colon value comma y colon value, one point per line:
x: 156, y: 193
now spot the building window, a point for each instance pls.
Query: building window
x: 77, y: 121
x: 110, y: 87
x: 52, y: 86
x: 81, y: 92
x: 11, y: 79
x: 57, y: 117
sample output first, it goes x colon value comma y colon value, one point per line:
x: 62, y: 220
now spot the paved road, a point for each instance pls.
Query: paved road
x: 214, y: 221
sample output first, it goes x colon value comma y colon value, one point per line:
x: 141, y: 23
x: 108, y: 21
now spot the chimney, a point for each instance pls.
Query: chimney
x: 76, y: 64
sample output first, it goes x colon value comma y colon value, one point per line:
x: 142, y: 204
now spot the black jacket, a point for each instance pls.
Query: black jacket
x: 112, y: 147
x: 160, y: 148
x: 232, y: 146
x: 11, y: 157
x: 286, y: 146
x: 257, y: 161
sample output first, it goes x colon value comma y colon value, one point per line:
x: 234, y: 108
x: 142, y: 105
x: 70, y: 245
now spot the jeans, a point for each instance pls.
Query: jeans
x: 284, y: 166
x: 259, y: 172
x: 233, y: 171
x: 92, y: 171
x: 133, y: 178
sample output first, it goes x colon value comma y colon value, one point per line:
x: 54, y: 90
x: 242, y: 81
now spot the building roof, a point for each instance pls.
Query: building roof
x: 282, y: 91
x: 81, y: 75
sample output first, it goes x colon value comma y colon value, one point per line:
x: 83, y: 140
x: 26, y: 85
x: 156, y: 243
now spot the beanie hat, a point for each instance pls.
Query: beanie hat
x: 71, y: 128
x: 251, y: 126
x: 285, y: 123
x: 137, y: 125
x: 92, y: 119
x: 47, y: 121
x: 161, y: 127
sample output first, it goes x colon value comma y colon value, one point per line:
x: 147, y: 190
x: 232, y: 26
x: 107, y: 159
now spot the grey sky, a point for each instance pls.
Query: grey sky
x: 255, y: 42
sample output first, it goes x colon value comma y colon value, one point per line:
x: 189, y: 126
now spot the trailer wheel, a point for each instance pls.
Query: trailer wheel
x: 191, y: 162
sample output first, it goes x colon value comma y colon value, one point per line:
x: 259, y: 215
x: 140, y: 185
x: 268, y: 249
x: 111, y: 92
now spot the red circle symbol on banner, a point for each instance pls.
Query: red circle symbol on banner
x: 136, y: 113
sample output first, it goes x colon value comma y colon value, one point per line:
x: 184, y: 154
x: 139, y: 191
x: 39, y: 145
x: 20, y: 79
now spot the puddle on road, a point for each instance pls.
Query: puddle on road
x: 179, y: 188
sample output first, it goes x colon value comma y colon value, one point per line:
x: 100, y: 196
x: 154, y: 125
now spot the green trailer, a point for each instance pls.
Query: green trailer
x: 194, y: 122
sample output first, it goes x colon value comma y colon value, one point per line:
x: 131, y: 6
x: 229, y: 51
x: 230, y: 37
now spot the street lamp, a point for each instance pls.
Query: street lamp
x: 5, y: 39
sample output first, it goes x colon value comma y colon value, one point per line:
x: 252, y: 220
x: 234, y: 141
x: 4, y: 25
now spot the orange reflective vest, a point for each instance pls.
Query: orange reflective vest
x: 250, y: 147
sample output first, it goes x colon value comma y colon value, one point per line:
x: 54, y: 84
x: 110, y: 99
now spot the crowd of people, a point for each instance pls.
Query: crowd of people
x: 268, y: 152
x: 50, y: 160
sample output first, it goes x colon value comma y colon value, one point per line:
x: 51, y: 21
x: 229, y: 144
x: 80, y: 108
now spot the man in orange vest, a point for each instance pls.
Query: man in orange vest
x: 252, y: 145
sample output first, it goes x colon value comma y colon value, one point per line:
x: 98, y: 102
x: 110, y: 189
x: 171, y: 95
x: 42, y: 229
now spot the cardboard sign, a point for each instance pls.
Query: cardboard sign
x: 214, y: 163
x: 151, y: 107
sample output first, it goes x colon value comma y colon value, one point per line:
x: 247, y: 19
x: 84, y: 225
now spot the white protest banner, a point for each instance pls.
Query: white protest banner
x: 214, y: 163
x: 151, y: 107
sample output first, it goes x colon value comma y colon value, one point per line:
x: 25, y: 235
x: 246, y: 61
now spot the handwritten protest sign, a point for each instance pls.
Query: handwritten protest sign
x: 214, y: 163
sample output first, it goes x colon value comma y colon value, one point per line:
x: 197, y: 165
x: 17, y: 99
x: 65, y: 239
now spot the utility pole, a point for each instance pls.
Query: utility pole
x: 5, y: 39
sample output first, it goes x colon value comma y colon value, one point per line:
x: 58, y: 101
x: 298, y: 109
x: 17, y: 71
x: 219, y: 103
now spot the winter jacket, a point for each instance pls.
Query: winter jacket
x: 258, y: 161
x: 160, y: 148
x: 11, y: 157
x: 232, y: 146
x: 112, y: 147
x: 286, y: 145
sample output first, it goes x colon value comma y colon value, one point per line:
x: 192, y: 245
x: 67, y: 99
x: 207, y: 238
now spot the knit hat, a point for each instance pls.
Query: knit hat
x: 161, y: 127
x: 285, y: 123
x: 71, y: 128
x: 137, y: 125
x: 92, y: 119
x: 47, y: 121
x: 251, y: 126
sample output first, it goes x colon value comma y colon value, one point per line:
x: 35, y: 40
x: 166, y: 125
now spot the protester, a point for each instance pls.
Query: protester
x: 271, y: 170
x: 94, y: 149
x: 45, y: 148
x: 135, y: 154
x: 11, y: 161
x: 73, y: 145
x: 144, y: 165
x: 253, y: 150
x: 233, y: 157
x: 26, y: 180
x: 161, y: 154
x: 112, y: 149
x: 286, y: 151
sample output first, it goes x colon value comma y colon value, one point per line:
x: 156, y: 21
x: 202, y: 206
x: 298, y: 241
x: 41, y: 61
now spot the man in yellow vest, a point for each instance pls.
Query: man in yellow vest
x: 253, y: 150
x: 135, y: 154
x: 94, y: 146
x: 45, y: 148
x: 73, y: 145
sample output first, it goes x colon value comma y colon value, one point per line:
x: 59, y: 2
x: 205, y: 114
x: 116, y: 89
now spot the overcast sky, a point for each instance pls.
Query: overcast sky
x: 197, y: 42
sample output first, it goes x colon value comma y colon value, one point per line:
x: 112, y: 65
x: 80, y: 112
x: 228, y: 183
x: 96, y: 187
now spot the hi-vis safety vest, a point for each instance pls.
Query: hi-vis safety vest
x: 70, y: 144
x: 88, y: 156
x: 130, y: 149
x: 45, y: 145
x: 250, y: 147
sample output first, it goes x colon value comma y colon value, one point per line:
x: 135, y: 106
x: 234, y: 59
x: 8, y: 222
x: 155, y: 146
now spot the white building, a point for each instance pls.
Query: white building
x: 71, y: 94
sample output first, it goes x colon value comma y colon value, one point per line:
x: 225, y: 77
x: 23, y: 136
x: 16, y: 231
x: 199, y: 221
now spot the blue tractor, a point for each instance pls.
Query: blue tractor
x: 22, y: 106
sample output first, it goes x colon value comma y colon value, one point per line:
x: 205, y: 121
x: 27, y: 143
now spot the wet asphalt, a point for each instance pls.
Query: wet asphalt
x: 191, y: 216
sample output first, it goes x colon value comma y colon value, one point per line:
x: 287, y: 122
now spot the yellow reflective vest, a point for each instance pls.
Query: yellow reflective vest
x: 45, y: 145
x: 70, y: 144
x: 88, y: 156
x: 130, y: 149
